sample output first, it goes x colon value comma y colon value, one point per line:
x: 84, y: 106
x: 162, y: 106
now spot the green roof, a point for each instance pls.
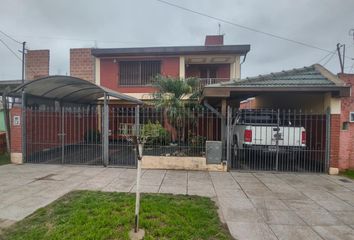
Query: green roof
x: 312, y: 76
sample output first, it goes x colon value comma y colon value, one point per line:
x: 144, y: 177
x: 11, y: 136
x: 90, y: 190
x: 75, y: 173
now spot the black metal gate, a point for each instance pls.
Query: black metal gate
x: 278, y: 140
x: 74, y: 135
x: 63, y: 135
x: 122, y: 126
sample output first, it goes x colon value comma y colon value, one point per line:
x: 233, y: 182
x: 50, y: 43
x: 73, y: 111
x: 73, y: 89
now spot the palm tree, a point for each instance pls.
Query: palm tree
x: 174, y: 96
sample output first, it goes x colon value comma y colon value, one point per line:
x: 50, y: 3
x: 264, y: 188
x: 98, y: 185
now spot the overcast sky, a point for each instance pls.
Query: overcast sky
x: 61, y: 25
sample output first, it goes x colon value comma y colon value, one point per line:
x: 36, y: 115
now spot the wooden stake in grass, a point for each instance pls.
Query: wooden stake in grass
x: 136, y: 233
x: 137, y: 200
x: 139, y: 139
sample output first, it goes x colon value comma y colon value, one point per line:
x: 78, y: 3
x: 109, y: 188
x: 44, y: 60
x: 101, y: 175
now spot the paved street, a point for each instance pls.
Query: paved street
x: 254, y: 205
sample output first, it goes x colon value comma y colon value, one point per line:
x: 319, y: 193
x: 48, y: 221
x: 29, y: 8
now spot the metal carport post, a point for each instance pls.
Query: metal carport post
x: 23, y: 126
x: 105, y: 134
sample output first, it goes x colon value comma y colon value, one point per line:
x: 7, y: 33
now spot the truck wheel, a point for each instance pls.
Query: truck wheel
x: 235, y: 149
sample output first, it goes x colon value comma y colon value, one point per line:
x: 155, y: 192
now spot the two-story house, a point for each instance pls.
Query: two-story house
x: 131, y: 70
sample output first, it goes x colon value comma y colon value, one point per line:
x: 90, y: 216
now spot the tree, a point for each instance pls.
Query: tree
x: 174, y: 96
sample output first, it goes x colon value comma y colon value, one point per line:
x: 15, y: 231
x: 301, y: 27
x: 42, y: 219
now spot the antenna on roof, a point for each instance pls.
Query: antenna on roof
x: 219, y: 29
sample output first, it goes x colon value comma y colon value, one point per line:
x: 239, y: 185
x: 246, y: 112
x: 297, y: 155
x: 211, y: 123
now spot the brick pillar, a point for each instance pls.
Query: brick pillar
x: 37, y: 64
x: 346, y: 147
x: 82, y: 64
x: 335, y: 140
x: 212, y: 40
x: 16, y: 134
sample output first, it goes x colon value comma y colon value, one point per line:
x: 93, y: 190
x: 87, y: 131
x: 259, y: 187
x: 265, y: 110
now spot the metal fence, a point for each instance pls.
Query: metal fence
x: 74, y: 134
x: 167, y: 132
x: 122, y: 125
x: 64, y: 135
x: 265, y: 139
x: 178, y: 132
x: 279, y: 140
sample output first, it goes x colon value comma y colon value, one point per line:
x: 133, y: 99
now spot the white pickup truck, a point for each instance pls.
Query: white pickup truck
x: 267, y: 131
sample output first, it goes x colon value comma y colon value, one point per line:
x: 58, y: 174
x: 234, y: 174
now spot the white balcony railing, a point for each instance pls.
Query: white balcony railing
x: 207, y: 81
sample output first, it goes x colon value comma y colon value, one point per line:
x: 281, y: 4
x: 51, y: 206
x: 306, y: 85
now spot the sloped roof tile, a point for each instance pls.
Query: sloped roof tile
x: 311, y: 76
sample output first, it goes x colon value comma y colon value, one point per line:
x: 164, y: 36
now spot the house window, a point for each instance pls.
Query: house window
x: 345, y: 125
x: 138, y: 73
x: 351, y: 117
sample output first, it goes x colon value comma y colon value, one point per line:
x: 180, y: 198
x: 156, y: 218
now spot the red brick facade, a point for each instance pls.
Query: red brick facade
x: 109, y: 73
x: 37, y: 64
x: 82, y: 64
x: 346, y: 147
x: 335, y: 140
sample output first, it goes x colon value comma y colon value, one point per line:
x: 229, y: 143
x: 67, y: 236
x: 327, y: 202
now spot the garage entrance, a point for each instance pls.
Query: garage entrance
x: 73, y: 135
x: 64, y: 135
x: 263, y: 134
x: 279, y: 140
x: 67, y: 122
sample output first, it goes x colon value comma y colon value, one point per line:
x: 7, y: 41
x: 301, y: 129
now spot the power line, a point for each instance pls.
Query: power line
x: 85, y: 40
x: 245, y: 27
x: 319, y: 61
x: 333, y: 54
x: 351, y: 68
x: 8, y: 48
x: 14, y: 53
x: 7, y: 35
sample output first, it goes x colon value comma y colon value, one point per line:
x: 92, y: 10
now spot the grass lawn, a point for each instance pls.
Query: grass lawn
x: 348, y: 173
x: 101, y: 215
x: 4, y: 159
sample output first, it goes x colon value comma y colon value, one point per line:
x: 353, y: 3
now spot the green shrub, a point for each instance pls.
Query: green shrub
x: 92, y: 136
x: 155, y: 134
x: 195, y: 140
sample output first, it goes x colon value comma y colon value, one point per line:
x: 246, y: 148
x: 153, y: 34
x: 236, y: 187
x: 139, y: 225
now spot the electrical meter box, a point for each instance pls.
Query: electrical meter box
x: 213, y: 152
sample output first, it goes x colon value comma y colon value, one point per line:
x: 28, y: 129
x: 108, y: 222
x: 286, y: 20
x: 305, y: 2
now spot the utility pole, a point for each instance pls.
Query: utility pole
x: 23, y: 61
x: 341, y: 58
x: 351, y: 33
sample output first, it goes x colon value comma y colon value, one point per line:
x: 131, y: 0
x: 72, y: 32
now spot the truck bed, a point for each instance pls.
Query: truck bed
x: 267, y: 135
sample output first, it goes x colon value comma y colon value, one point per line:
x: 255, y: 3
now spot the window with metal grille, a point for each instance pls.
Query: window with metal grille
x: 138, y: 73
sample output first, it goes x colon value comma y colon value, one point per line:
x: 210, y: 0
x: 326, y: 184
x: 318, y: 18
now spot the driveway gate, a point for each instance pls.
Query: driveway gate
x: 73, y: 135
x: 278, y: 140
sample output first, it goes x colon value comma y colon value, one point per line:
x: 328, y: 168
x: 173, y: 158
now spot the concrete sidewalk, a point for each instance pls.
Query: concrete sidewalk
x: 254, y: 205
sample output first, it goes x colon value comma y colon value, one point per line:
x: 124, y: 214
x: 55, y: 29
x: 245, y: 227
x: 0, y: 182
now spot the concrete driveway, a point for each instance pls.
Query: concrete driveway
x: 254, y: 205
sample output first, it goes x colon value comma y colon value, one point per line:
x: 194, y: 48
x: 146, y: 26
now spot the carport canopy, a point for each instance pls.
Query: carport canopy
x: 69, y: 89
x: 312, y: 79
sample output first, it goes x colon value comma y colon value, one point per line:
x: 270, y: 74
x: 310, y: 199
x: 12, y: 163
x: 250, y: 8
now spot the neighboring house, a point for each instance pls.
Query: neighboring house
x: 6, y: 85
x: 345, y: 135
x: 2, y: 120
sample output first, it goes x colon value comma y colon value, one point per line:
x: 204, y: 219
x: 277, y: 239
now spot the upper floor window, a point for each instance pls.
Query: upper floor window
x: 138, y: 73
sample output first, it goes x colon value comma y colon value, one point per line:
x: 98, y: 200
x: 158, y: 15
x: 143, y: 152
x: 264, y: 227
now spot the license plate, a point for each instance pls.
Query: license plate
x: 272, y: 148
x: 278, y: 136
